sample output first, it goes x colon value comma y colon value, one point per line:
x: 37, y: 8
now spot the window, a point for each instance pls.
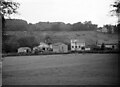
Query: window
x: 75, y: 46
x: 83, y: 48
x: 72, y: 46
x: 43, y: 48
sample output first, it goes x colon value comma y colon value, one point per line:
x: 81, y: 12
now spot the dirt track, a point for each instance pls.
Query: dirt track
x: 68, y: 69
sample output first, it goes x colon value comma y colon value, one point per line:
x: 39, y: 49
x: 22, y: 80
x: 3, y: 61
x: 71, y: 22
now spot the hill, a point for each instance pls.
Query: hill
x: 66, y: 36
x: 22, y: 25
x: 16, y: 39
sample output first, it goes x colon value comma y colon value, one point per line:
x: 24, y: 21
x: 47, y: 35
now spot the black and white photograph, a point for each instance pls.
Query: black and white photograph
x: 59, y: 42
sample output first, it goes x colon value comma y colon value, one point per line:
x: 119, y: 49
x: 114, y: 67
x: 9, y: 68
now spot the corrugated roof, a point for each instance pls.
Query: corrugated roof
x: 107, y: 42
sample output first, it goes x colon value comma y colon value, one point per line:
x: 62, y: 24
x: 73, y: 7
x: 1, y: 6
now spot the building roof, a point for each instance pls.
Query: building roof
x: 24, y: 48
x: 42, y: 44
x: 107, y: 42
x: 58, y: 43
x: 78, y: 40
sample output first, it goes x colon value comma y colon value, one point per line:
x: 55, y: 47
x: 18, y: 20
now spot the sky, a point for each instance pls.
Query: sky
x: 67, y: 11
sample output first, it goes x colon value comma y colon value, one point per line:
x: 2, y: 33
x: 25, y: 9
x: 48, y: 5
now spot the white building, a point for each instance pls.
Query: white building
x: 77, y: 45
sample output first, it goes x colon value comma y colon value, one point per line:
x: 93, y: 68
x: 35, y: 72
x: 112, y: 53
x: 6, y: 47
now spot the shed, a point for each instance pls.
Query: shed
x: 87, y: 48
x: 60, y: 47
x: 24, y: 50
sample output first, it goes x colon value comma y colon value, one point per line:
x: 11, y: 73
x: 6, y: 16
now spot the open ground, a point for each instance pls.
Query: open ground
x: 66, y: 69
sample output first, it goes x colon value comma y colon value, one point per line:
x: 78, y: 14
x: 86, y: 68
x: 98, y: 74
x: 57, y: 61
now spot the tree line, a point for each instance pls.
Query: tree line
x: 12, y: 43
x: 22, y: 25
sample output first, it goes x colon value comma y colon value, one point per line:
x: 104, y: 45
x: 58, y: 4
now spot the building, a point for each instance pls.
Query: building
x: 104, y: 30
x: 36, y: 49
x: 59, y: 48
x: 108, y: 44
x: 24, y: 50
x: 87, y: 48
x: 77, y: 45
x: 45, y: 47
x: 99, y: 30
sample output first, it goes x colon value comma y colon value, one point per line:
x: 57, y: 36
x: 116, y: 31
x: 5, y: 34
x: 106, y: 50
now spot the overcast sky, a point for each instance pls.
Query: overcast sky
x: 67, y: 11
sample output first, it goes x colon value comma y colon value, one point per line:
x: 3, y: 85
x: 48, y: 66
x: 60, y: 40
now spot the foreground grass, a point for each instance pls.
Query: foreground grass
x: 68, y: 69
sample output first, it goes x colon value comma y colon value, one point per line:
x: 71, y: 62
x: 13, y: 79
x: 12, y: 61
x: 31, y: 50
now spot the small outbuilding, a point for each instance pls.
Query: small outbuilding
x: 87, y: 49
x: 60, y: 47
x: 24, y: 50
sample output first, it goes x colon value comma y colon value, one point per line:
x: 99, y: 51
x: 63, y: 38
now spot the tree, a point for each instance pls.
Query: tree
x: 28, y: 41
x: 55, y: 27
x: 119, y: 46
x: 116, y: 5
x: 10, y: 44
x: 102, y: 46
x: 48, y: 40
x: 7, y: 7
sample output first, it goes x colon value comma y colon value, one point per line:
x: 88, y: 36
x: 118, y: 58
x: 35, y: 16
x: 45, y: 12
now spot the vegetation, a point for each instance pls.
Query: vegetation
x: 16, y: 25
x: 116, y: 5
x: 103, y: 46
x: 7, y: 7
x: 116, y: 12
x: 27, y: 42
x: 12, y: 43
x: 21, y: 25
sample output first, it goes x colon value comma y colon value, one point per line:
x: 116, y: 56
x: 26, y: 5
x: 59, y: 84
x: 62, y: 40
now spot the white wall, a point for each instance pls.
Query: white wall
x: 77, y: 43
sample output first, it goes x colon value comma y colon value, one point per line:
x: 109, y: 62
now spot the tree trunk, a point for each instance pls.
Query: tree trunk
x: 3, y: 33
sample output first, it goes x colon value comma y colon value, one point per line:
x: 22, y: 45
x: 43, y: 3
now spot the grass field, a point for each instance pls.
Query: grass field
x: 65, y: 36
x: 67, y: 69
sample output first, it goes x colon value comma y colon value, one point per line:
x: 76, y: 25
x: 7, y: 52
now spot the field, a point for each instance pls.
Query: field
x: 65, y: 36
x: 66, y: 69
